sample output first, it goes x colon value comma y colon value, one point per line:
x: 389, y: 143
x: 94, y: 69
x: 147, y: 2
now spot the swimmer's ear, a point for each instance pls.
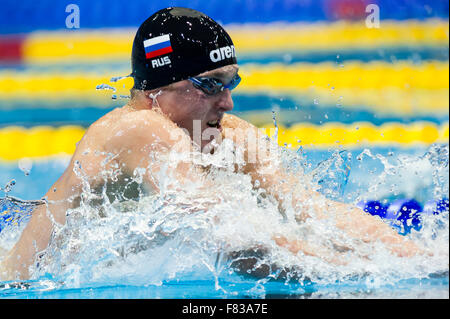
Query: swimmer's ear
x: 141, y: 98
x: 153, y: 98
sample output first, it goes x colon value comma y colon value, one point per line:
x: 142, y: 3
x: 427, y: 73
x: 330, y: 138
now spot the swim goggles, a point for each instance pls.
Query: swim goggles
x: 211, y: 86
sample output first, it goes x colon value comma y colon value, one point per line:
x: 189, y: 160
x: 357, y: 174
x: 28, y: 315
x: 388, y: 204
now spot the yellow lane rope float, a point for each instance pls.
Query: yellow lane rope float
x: 44, y: 141
x: 115, y: 44
x: 401, y: 88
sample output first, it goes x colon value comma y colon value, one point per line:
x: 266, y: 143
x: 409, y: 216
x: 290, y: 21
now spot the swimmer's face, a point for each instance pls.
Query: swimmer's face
x: 192, y: 109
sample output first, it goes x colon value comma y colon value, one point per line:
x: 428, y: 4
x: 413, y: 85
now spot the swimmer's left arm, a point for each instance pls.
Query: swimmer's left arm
x: 352, y: 220
x: 349, y: 218
x: 272, y: 177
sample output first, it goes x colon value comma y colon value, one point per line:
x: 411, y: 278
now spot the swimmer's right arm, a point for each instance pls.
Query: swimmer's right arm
x: 134, y: 148
x: 153, y: 143
x: 37, y: 233
x: 33, y: 239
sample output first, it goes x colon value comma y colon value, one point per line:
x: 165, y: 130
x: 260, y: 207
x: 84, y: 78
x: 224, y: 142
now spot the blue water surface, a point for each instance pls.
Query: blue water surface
x: 44, y: 172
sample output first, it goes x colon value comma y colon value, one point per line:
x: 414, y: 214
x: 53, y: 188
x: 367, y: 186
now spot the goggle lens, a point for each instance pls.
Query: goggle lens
x: 211, y: 86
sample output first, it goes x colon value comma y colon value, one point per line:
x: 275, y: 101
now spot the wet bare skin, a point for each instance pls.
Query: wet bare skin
x: 96, y: 158
x: 110, y: 151
x: 128, y: 138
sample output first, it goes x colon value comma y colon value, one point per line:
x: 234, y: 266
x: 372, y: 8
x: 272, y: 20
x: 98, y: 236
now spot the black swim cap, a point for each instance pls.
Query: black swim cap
x: 175, y: 44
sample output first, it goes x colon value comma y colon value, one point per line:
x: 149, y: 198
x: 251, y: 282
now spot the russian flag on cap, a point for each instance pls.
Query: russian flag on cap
x: 157, y: 46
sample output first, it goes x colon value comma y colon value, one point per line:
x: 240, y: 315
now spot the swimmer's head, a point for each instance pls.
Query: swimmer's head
x: 175, y: 44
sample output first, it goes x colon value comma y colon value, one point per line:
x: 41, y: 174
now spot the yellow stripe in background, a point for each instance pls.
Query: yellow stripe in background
x: 115, y: 44
x: 360, y: 134
x: 401, y: 88
x: 373, y: 75
x: 44, y: 141
x: 40, y: 141
x: 77, y: 46
x: 338, y: 35
x: 431, y: 75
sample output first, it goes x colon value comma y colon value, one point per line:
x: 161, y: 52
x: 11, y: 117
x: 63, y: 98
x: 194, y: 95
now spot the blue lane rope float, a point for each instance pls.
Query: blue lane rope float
x: 435, y: 207
x: 405, y: 214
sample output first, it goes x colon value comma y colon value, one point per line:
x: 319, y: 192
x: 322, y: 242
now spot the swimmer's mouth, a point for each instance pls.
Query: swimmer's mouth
x: 215, y: 123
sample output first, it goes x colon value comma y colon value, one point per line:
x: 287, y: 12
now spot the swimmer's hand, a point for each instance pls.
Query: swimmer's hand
x: 370, y: 229
x: 360, y: 225
x: 310, y: 249
x: 356, y: 223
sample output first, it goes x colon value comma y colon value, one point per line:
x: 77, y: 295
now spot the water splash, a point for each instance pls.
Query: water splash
x: 189, y: 234
x: 422, y: 177
x: 14, y: 215
x: 109, y: 87
x: 274, y: 119
x: 105, y: 87
x: 119, y: 78
x: 438, y: 156
x: 332, y: 174
x: 8, y: 187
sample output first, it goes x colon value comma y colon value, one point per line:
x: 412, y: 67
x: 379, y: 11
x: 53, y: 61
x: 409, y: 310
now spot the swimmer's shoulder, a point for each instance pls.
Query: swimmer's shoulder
x: 233, y: 122
x: 135, y: 128
x: 124, y: 121
x: 96, y: 134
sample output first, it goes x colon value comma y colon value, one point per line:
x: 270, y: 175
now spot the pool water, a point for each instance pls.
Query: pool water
x: 191, y: 265
x: 430, y: 288
x: 362, y: 112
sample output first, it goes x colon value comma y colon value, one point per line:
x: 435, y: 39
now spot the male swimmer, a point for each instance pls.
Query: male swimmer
x: 184, y: 68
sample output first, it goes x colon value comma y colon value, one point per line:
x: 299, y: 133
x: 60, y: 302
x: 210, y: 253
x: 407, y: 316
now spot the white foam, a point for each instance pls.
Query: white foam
x: 188, y: 233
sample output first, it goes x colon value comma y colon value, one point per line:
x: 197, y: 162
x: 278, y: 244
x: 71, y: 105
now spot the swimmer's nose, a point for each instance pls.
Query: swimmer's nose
x: 225, y: 101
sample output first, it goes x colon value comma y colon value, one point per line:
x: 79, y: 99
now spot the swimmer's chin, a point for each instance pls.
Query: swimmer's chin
x: 210, y: 138
x: 210, y: 146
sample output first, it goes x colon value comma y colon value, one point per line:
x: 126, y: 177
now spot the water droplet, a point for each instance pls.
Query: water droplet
x: 287, y: 58
x: 105, y: 87
x: 25, y: 165
x: 118, y: 78
x: 9, y: 186
x: 275, y: 135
